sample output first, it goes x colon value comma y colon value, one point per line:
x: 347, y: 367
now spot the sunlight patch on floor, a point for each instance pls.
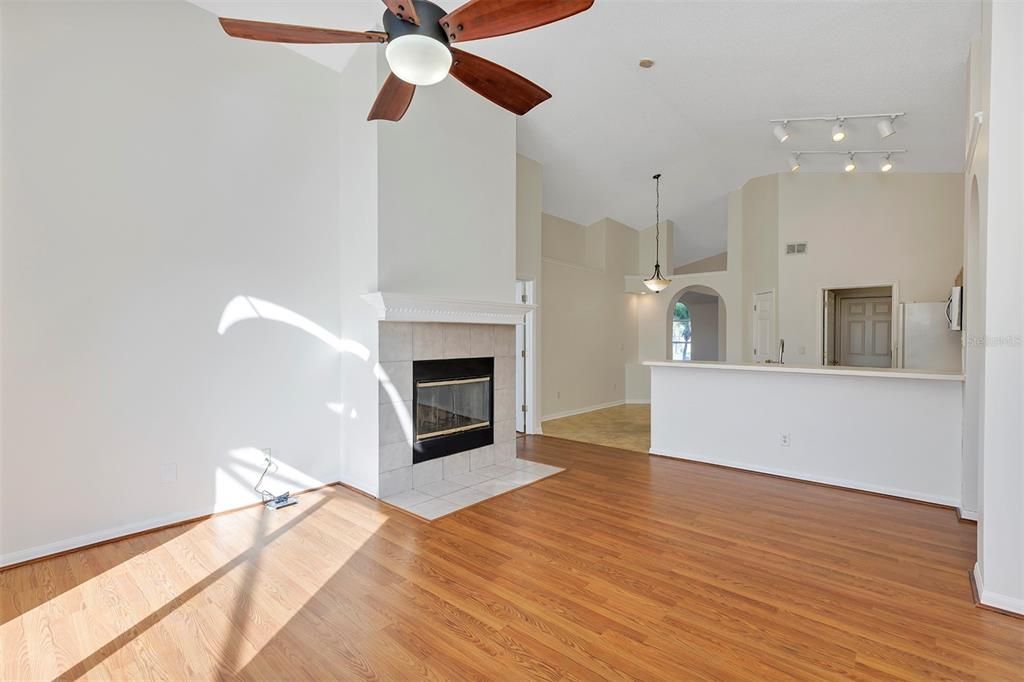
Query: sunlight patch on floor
x: 111, y: 620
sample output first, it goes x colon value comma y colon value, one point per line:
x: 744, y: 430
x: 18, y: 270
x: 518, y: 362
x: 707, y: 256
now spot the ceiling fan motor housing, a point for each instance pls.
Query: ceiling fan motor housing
x: 430, y: 23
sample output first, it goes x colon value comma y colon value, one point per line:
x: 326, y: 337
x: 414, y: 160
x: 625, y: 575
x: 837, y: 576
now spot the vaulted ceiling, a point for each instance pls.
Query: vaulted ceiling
x: 722, y: 69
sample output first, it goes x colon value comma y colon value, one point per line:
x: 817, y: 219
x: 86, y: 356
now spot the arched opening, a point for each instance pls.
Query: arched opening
x: 973, y: 353
x: 697, y: 325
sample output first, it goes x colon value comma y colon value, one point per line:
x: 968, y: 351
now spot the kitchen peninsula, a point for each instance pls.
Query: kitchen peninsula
x: 890, y: 431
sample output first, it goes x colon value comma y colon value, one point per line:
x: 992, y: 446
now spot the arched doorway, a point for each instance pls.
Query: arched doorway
x: 973, y: 354
x: 697, y: 325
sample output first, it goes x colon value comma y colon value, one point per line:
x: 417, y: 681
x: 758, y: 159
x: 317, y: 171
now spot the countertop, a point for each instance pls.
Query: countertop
x: 883, y: 372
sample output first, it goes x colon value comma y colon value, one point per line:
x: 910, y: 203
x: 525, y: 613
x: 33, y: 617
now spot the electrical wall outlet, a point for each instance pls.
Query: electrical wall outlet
x: 784, y: 440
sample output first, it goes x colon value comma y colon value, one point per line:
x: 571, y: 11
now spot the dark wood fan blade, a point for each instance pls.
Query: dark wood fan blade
x: 503, y: 87
x: 404, y: 10
x: 488, y: 18
x: 393, y: 100
x: 287, y: 33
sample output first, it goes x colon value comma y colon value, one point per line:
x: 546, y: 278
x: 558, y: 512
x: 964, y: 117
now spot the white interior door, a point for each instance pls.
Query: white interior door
x: 865, y: 335
x: 764, y: 326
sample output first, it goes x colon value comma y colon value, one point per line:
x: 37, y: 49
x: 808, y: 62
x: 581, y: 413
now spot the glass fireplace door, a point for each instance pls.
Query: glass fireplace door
x: 444, y: 408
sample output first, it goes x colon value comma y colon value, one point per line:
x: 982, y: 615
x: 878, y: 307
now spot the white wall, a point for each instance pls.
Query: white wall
x: 149, y: 178
x: 760, y: 262
x: 589, y: 322
x: 358, y: 400
x: 887, y: 435
x: 448, y: 197
x: 864, y: 229
x: 999, y: 167
x: 975, y: 209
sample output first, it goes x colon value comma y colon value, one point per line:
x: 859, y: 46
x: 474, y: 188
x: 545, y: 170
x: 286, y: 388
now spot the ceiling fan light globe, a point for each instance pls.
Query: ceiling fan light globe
x: 419, y: 59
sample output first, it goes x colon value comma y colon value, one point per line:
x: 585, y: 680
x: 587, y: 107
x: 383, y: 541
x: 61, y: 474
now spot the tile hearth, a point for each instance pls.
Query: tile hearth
x: 446, y: 495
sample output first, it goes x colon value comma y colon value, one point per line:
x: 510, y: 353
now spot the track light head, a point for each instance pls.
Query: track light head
x: 885, y: 165
x: 839, y: 131
x: 851, y: 165
x: 782, y: 131
x: 794, y: 162
x: 885, y: 127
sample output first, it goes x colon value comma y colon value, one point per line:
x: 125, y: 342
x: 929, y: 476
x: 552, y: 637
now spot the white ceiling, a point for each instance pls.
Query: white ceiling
x: 700, y: 115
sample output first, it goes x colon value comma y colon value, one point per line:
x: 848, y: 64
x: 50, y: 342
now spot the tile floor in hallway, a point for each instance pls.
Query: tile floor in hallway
x: 434, y: 500
x: 624, y: 426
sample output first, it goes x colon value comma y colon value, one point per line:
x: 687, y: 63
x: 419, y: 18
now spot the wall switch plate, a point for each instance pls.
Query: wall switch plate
x: 784, y: 440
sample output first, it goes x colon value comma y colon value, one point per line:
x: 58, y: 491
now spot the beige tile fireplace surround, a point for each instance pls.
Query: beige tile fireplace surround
x: 439, y: 486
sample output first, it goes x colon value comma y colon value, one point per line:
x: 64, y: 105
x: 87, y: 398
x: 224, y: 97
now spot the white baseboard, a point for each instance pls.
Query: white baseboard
x: 78, y: 541
x: 967, y: 514
x: 994, y: 599
x: 582, y: 410
x: 154, y: 523
x: 839, y: 482
x: 635, y: 401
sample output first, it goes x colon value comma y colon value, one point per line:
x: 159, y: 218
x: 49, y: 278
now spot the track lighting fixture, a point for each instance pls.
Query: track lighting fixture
x: 839, y: 131
x: 885, y: 127
x: 885, y: 164
x: 886, y: 124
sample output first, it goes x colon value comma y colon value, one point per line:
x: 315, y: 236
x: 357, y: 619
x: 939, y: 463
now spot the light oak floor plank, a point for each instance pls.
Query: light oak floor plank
x: 623, y: 567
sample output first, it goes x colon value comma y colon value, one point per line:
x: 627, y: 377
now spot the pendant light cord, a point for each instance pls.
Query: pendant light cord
x: 657, y: 219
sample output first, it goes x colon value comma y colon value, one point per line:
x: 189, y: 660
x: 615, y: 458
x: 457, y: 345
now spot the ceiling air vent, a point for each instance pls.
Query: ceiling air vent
x: 796, y: 248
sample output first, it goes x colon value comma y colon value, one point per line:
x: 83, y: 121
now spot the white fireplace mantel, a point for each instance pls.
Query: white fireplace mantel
x: 394, y: 307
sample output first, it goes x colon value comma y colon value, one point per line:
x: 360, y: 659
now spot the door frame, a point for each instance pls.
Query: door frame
x: 531, y: 337
x: 774, y: 320
x: 894, y: 333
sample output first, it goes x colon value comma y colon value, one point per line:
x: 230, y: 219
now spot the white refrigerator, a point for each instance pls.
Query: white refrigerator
x: 925, y: 340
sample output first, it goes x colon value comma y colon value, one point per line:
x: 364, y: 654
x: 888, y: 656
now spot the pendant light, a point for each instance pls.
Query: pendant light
x: 656, y: 282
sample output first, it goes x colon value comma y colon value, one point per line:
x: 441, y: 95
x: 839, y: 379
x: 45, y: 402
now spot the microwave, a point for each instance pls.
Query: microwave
x: 954, y: 309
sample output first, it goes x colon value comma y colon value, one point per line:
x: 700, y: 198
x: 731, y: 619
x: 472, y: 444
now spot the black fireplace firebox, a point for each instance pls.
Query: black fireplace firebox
x: 452, y: 405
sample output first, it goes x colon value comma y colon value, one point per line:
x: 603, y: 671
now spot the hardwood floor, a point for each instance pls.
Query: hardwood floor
x: 623, y: 426
x: 624, y: 566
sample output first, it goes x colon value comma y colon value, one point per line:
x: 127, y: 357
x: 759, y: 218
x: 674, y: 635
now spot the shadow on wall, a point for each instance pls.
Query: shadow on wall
x: 697, y: 325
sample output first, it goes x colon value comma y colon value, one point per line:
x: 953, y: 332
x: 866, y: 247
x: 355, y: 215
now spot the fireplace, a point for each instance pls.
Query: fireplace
x: 453, y: 406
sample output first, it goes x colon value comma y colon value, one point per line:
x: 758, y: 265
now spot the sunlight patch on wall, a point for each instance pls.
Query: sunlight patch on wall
x: 248, y: 308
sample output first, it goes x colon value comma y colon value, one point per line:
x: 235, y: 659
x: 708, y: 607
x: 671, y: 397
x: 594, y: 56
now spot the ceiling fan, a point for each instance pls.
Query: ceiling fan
x: 419, y: 34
